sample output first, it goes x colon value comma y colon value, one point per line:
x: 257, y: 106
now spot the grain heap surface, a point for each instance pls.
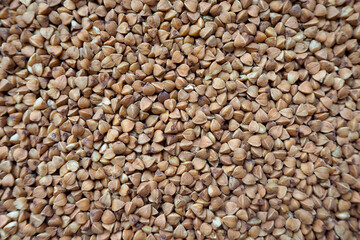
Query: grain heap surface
x: 154, y: 120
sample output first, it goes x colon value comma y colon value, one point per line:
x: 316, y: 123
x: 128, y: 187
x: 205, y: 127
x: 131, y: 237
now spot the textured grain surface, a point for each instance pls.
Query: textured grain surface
x: 146, y: 119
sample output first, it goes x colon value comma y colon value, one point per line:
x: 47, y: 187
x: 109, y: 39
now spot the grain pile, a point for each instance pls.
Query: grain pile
x: 146, y: 119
